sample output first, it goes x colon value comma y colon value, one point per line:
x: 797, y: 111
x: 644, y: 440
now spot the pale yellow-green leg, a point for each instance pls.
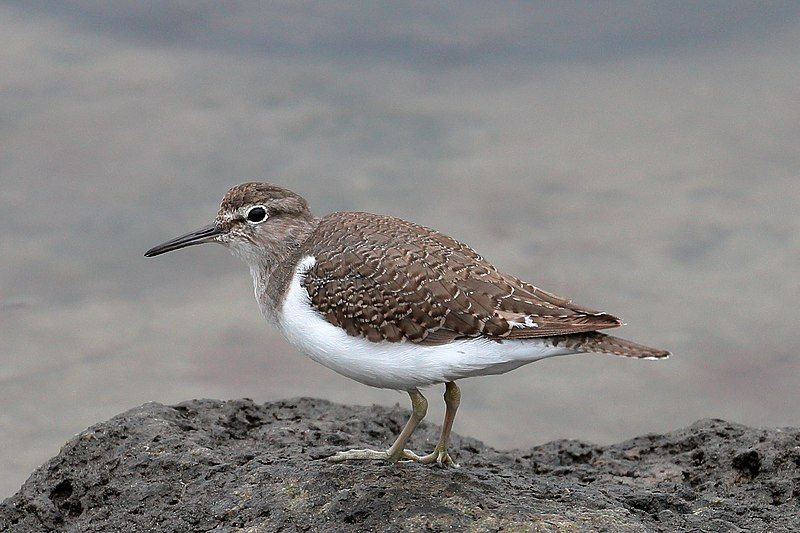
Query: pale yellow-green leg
x: 452, y: 397
x: 397, y: 451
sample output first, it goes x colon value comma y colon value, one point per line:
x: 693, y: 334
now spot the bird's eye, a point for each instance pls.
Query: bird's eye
x: 256, y: 214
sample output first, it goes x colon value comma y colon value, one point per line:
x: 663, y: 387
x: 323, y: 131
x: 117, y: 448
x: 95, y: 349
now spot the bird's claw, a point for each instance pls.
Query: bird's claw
x: 440, y: 457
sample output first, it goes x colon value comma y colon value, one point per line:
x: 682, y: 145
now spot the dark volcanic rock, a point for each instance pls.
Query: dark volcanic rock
x: 207, y: 465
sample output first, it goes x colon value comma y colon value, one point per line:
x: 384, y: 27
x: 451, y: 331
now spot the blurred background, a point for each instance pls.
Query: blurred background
x: 639, y: 157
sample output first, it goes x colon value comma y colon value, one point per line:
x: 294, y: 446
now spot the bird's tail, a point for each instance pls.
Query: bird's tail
x: 601, y: 343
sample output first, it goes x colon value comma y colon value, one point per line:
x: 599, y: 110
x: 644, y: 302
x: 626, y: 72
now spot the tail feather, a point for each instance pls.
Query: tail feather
x: 602, y: 343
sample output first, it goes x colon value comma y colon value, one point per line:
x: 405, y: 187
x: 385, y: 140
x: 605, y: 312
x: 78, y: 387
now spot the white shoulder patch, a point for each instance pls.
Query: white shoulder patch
x: 305, y: 264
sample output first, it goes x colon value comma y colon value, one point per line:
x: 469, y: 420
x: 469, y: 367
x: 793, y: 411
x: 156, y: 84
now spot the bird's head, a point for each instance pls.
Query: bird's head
x: 253, y: 219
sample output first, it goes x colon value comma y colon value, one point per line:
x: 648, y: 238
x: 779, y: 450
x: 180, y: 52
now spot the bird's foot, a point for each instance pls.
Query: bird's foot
x: 440, y: 457
x: 373, y: 455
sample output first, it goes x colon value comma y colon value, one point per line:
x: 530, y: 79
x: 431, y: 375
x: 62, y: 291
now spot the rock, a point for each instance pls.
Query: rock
x: 207, y: 465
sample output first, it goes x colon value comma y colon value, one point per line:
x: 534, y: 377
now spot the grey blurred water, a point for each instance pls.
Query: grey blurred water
x: 641, y: 158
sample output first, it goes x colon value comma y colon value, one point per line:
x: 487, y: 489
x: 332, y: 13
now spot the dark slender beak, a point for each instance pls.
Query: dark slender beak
x: 200, y: 236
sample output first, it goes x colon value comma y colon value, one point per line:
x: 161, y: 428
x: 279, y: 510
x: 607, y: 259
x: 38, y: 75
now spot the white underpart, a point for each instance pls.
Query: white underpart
x: 396, y: 365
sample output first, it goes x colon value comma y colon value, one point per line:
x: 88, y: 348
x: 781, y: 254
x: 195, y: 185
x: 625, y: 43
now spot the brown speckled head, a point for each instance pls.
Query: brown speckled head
x: 277, y: 201
x: 257, y: 221
x: 263, y: 223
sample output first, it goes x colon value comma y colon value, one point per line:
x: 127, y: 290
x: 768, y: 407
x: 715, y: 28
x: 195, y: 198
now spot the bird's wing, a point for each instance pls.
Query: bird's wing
x: 387, y: 279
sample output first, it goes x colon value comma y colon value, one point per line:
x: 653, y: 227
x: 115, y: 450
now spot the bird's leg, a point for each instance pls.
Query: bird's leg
x: 452, y: 397
x: 397, y: 451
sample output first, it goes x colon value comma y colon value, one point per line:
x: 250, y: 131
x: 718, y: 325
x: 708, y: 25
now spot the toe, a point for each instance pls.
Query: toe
x: 449, y: 462
x: 408, y: 455
x: 358, y: 455
x: 443, y: 460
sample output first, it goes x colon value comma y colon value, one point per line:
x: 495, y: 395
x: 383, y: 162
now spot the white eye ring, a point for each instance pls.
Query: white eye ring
x: 256, y: 215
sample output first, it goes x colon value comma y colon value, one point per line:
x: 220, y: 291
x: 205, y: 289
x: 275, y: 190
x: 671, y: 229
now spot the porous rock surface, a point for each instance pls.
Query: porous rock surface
x: 207, y: 465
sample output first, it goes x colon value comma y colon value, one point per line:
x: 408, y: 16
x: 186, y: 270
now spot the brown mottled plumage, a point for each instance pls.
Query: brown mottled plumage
x: 388, y: 279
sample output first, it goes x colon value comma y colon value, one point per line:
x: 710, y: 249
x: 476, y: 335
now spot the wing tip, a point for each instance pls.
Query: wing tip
x: 658, y: 355
x: 613, y: 321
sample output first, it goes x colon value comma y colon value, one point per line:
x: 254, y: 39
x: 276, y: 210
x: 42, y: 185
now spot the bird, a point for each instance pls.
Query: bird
x: 395, y: 305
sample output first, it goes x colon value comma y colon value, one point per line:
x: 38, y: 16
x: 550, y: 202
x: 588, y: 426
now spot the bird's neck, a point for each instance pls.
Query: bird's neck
x: 273, y: 268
